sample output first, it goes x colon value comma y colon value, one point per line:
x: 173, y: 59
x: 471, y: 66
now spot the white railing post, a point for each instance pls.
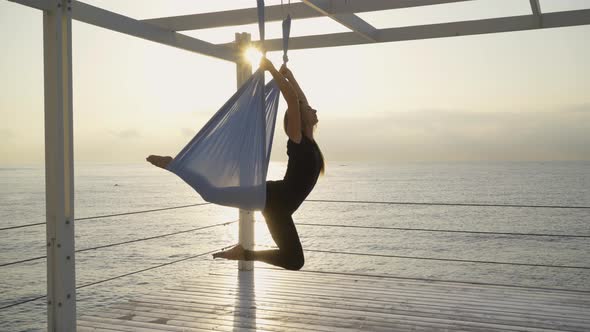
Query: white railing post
x: 246, y: 223
x: 59, y: 167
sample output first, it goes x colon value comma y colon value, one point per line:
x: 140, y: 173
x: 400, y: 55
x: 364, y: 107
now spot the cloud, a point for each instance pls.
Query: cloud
x: 449, y: 135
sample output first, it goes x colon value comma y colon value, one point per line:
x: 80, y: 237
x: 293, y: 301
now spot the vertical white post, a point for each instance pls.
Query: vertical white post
x: 246, y: 223
x: 59, y: 167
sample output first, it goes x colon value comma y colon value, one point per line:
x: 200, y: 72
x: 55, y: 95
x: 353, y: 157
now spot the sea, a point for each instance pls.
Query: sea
x: 106, y: 189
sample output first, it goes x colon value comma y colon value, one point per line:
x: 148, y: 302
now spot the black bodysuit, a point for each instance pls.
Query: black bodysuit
x: 282, y: 200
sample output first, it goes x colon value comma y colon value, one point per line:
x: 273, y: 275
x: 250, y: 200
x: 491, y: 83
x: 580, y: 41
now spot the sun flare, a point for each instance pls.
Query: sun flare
x: 253, y: 56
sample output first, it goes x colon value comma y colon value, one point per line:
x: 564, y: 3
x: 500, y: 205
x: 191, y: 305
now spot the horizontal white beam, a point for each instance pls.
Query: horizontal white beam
x: 494, y: 25
x: 276, y: 13
x: 127, y: 25
x: 123, y: 24
x: 37, y: 4
x: 351, y: 21
x: 363, y: 6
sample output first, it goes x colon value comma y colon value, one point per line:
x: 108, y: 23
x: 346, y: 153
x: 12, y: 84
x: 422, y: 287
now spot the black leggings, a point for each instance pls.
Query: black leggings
x: 277, y: 213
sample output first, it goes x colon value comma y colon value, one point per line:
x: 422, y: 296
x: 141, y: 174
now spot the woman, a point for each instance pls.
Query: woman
x: 284, y: 197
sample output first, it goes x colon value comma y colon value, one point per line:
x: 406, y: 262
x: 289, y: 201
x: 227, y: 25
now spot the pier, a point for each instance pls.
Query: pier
x: 269, y: 299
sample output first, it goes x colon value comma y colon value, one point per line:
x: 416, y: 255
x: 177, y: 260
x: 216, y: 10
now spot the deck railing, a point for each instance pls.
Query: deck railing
x: 18, y: 302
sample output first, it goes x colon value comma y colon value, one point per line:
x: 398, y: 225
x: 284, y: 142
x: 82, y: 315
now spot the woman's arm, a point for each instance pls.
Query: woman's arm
x: 288, y: 74
x: 291, y: 97
x: 287, y: 90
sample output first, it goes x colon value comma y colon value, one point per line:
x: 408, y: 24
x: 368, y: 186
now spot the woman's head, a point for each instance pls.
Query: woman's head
x: 309, y: 117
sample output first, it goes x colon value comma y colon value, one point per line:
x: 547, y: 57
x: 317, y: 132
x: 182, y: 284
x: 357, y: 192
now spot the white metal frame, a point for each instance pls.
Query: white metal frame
x: 120, y: 23
x: 351, y: 21
x: 59, y: 167
x: 57, y: 38
x: 276, y: 13
x: 441, y: 30
x: 246, y: 218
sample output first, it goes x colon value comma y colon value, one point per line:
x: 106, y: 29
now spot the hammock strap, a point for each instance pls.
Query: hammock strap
x: 260, y: 5
x: 286, y: 29
x: 286, y: 34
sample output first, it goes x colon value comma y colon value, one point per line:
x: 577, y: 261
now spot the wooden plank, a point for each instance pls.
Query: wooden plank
x: 450, y: 299
x: 276, y: 300
x: 126, y: 325
x: 413, y: 321
x: 326, y: 323
x: 284, y: 315
x: 564, y: 302
x: 94, y: 329
x: 111, y: 324
x: 174, y: 320
x: 200, y: 314
x: 532, y: 321
x: 387, y: 282
x: 455, y: 303
x: 571, y: 303
x: 265, y: 270
x: 527, y: 295
x: 278, y: 315
x: 357, y: 281
x: 338, y: 310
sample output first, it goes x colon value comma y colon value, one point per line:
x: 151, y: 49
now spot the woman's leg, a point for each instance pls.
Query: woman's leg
x: 288, y: 256
x: 282, y: 229
x: 290, y: 253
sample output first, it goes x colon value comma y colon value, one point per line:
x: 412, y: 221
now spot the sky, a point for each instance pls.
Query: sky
x: 511, y: 96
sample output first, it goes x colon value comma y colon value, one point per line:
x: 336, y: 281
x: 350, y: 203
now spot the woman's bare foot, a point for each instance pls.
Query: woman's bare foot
x: 236, y: 253
x: 159, y: 161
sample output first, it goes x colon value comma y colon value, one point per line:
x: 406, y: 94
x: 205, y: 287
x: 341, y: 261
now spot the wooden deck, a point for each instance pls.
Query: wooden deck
x: 276, y: 300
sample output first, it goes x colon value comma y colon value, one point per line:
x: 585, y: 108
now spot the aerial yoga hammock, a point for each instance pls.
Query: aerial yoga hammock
x: 227, y: 161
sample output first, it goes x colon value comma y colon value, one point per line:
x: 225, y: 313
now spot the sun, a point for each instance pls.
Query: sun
x: 253, y: 56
